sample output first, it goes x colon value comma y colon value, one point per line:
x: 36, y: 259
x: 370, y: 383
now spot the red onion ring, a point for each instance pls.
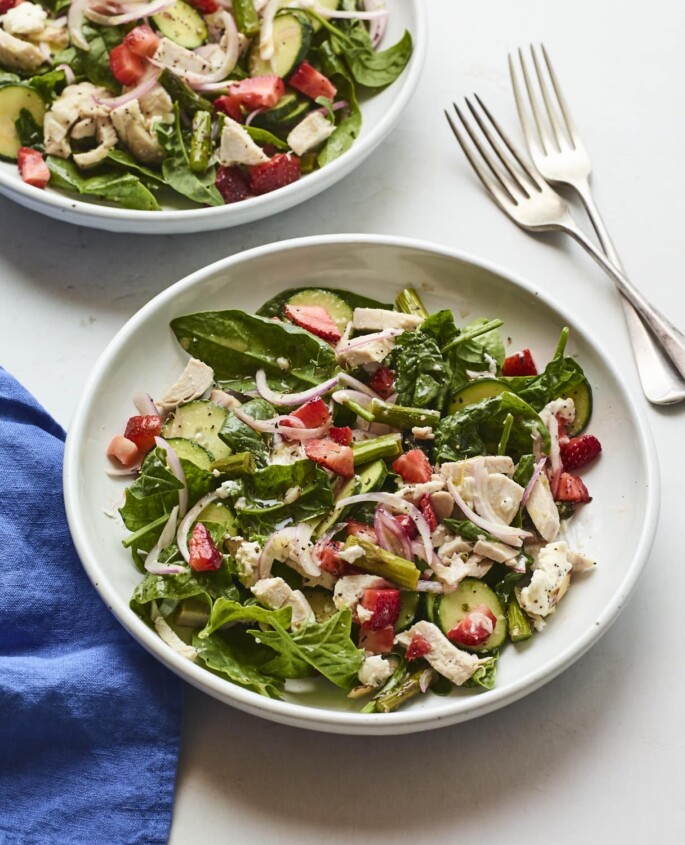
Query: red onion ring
x: 294, y: 430
x: 425, y: 680
x: 355, y: 384
x: 177, y: 469
x: 340, y: 104
x: 341, y: 396
x: 147, y: 82
x: 189, y: 519
x: 391, y: 536
x: 251, y: 116
x: 534, y: 477
x: 377, y: 25
x: 132, y: 12
x: 365, y: 339
x: 505, y: 533
x: 76, y: 17
x: 145, y: 405
x: 166, y: 538
x: 69, y: 77
x: 291, y: 398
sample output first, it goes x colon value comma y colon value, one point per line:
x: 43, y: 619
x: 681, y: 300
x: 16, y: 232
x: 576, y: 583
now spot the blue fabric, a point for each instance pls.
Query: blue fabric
x: 89, y: 722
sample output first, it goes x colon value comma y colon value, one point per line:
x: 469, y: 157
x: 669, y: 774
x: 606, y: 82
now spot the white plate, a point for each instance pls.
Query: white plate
x: 380, y: 113
x: 616, y: 528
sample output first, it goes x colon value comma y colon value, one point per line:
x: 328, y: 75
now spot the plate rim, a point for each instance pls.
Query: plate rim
x: 314, y: 718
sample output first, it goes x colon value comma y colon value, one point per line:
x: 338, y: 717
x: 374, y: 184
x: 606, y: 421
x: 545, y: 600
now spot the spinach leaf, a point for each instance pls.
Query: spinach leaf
x: 524, y: 470
x: 422, y: 376
x: 350, y: 123
x: 30, y: 133
x: 491, y: 341
x: 239, y: 437
x: 236, y: 344
x: 469, y: 531
x: 125, y: 189
x: 504, y: 588
x: 274, y: 306
x: 207, y: 586
x: 237, y: 661
x: 96, y: 60
x: 476, y: 429
x: 49, y: 85
x: 484, y: 676
x: 377, y: 69
x: 124, y: 159
x: 226, y: 611
x: 263, y: 137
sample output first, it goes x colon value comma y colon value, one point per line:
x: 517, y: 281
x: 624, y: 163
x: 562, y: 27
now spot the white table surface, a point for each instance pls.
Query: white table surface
x: 597, y: 751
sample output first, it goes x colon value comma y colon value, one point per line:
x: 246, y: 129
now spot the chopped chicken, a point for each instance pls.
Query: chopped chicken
x: 350, y: 588
x: 414, y: 492
x: 195, y: 380
x: 542, y: 509
x: 452, y: 573
x: 377, y: 319
x: 274, y: 593
x: 180, y: 60
x: 135, y: 124
x: 375, y: 350
x: 499, y: 552
x: 457, y: 470
x: 19, y: 55
x: 504, y: 495
x: 103, y: 131
x: 76, y: 109
x: 580, y: 562
x: 310, y: 133
x: 237, y: 147
x: 448, y: 660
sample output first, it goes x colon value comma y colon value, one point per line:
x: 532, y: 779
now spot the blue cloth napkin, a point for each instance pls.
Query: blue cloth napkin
x: 89, y: 722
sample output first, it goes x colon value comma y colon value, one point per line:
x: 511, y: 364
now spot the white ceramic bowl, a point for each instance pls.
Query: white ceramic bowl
x: 380, y: 113
x: 616, y: 528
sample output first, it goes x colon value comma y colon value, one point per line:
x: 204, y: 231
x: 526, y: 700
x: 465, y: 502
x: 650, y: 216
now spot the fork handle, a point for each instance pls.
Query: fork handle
x: 671, y: 340
x: 662, y: 385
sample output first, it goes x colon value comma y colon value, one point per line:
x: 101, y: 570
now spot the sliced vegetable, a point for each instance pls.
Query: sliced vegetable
x: 182, y: 24
x: 467, y: 606
x: 13, y: 100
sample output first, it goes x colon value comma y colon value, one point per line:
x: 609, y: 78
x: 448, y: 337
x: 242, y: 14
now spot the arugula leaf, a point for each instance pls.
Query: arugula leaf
x: 30, y: 133
x: 239, y: 437
x: 274, y: 307
x: 125, y: 189
x: 240, y: 665
x: 236, y: 344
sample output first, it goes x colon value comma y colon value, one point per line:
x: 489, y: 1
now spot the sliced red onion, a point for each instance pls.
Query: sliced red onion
x: 131, y: 12
x: 395, y: 502
x: 166, y: 538
x: 209, y: 87
x: 355, y: 384
x: 425, y: 679
x: 377, y: 25
x: 556, y: 465
x: 365, y: 339
x: 272, y: 548
x: 189, y: 519
x: 116, y: 472
x: 391, y: 536
x: 145, y: 405
x: 291, y: 398
x: 251, y: 116
x: 505, y: 533
x: 340, y: 104
x: 177, y: 469
x: 341, y: 396
x: 303, y: 551
x: 76, y: 17
x: 534, y: 477
x: 537, y: 445
x: 147, y: 83
x: 199, y: 81
x: 430, y: 587
x: 68, y: 74
x: 294, y: 430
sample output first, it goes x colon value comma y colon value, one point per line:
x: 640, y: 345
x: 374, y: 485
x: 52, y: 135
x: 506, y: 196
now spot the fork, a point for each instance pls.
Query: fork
x: 562, y: 159
x: 524, y: 196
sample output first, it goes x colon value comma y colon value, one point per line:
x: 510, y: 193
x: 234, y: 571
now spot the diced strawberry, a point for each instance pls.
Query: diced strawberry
x: 572, y: 489
x: 313, y: 413
x: 519, y: 364
x: 308, y: 81
x: 32, y: 167
x: 126, y: 66
x: 383, y: 382
x: 275, y: 173
x: 207, y: 7
x: 331, y: 455
x: 475, y: 628
x: 361, y: 529
x: 426, y: 508
x: 143, y: 430
x: 231, y: 106
x: 407, y: 524
x: 258, y: 92
x: 418, y: 647
x: 328, y: 556
x: 413, y: 467
x: 580, y: 451
x: 376, y: 640
x: 385, y: 606
x: 232, y: 183
x: 124, y: 450
x: 6, y: 5
x: 315, y: 319
x: 204, y: 554
x: 341, y: 434
x: 142, y: 41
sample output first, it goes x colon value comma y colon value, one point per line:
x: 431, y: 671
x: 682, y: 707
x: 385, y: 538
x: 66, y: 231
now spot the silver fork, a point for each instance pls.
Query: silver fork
x: 524, y: 196
x: 562, y: 159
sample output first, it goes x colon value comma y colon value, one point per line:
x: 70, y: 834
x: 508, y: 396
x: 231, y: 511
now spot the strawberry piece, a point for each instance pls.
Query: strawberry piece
x: 207, y: 7
x: 385, y: 606
x: 383, y: 382
x: 123, y: 450
x: 275, y: 173
x: 258, y: 92
x: 6, y: 5
x: 519, y: 364
x: 143, y: 430
x: 231, y: 106
x: 331, y: 455
x: 232, y: 183
x: 313, y: 414
x: 308, y: 81
x: 361, y: 529
x: 315, y: 319
x: 32, y: 167
x: 418, y: 647
x: 328, y: 557
x: 408, y: 525
x: 413, y: 467
x: 341, y: 434
x: 426, y: 508
x: 204, y: 555
x: 376, y: 640
x: 572, y: 489
x: 142, y: 41
x: 475, y: 628
x: 579, y: 451
x: 126, y: 66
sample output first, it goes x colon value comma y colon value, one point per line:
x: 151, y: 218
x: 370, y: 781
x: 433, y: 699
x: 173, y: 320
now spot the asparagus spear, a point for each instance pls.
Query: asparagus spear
x: 386, y: 446
x: 402, y: 417
x: 409, y: 302
x: 235, y: 466
x: 200, y: 142
x: 246, y: 17
x: 385, y: 564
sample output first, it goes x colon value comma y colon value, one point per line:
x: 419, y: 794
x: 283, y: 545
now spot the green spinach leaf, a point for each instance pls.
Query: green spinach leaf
x: 30, y: 133
x: 239, y: 664
x: 239, y: 437
x: 125, y: 189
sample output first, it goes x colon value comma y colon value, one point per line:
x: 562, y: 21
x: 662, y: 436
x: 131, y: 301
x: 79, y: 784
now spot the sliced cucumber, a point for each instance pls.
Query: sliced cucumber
x: 339, y: 310
x: 582, y: 399
x: 13, y: 100
x: 190, y: 450
x: 272, y: 117
x: 475, y: 391
x: 219, y: 515
x: 369, y: 478
x: 431, y: 605
x: 409, y: 604
x: 192, y: 613
x: 470, y: 594
x: 321, y: 602
x: 182, y: 24
x: 200, y: 421
x: 292, y: 34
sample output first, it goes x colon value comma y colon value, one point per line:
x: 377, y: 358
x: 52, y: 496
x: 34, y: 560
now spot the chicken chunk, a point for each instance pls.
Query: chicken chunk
x: 195, y: 380
x: 310, y: 133
x: 542, y: 509
x: 136, y: 132
x: 274, y: 593
x: 377, y: 319
x: 237, y: 147
x: 16, y: 54
x: 448, y: 660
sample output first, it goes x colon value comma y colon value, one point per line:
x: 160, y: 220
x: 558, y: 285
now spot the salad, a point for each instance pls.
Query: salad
x: 203, y: 102
x: 345, y: 489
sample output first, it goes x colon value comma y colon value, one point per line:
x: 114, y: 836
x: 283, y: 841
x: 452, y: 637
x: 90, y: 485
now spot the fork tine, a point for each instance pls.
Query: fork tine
x: 499, y: 192
x: 557, y: 131
x: 531, y: 138
x: 543, y: 134
x: 565, y: 111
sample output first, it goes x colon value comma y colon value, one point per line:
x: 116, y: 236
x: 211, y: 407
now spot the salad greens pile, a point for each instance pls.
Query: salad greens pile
x: 349, y: 490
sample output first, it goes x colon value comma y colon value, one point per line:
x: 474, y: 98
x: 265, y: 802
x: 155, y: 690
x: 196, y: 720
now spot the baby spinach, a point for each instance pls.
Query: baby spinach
x: 124, y: 189
x: 484, y: 676
x: 491, y: 341
x: 350, y: 122
x: 237, y: 660
x: 263, y: 137
x: 241, y: 438
x: 226, y: 611
x: 30, y: 133
x: 422, y: 376
x: 49, y: 85
x: 127, y: 162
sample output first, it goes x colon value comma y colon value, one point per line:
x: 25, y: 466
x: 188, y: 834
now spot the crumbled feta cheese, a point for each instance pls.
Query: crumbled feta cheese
x: 25, y: 19
x: 580, y: 562
x: 310, y: 133
x: 274, y: 593
x: 451, y: 662
x: 424, y: 432
x: 375, y: 670
x: 550, y: 580
x: 351, y: 553
x: 283, y: 363
x: 292, y: 494
x: 284, y: 453
x: 228, y: 488
x: 247, y: 558
x: 364, y: 614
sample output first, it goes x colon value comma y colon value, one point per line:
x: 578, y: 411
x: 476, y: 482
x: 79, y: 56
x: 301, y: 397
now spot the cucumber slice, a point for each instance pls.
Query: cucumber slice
x: 339, y: 310
x: 475, y: 391
x: 321, y: 602
x: 582, y: 399
x: 431, y: 603
x: 272, y: 117
x: 182, y: 24
x: 192, y: 613
x: 200, y: 421
x: 190, y: 450
x: 470, y: 594
x: 292, y: 34
x: 409, y: 604
x: 370, y: 477
x: 13, y: 100
x: 218, y: 514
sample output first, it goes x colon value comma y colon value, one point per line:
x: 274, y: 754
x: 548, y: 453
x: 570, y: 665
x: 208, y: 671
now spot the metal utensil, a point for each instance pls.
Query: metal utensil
x: 561, y: 158
x: 524, y: 196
